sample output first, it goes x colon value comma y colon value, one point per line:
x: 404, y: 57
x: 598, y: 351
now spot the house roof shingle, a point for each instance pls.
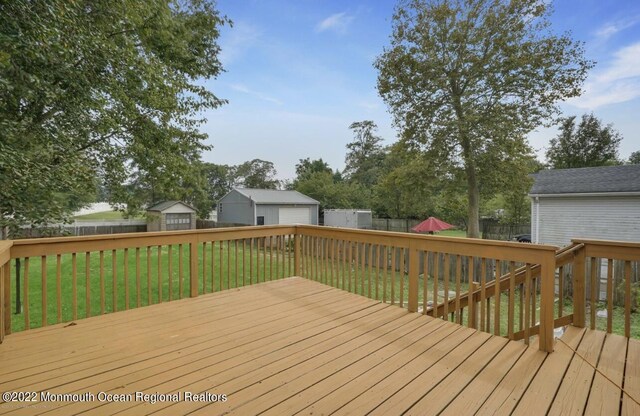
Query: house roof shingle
x: 604, y: 179
x: 273, y: 196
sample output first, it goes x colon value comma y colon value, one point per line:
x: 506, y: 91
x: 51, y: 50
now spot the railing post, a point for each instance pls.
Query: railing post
x: 296, y: 255
x: 3, y: 309
x: 472, y: 306
x: 547, y: 297
x: 579, y: 288
x: 7, y: 298
x: 193, y: 268
x: 414, y: 265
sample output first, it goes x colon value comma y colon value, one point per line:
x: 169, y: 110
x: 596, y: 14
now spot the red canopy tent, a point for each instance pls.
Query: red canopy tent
x: 430, y: 225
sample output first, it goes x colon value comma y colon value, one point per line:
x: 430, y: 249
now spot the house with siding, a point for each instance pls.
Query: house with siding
x: 244, y: 206
x: 601, y: 203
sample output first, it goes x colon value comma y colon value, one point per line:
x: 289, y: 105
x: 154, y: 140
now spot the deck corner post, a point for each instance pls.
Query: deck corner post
x: 579, y: 288
x: 6, y: 302
x: 296, y: 255
x: 547, y: 298
x: 414, y: 265
x: 193, y: 268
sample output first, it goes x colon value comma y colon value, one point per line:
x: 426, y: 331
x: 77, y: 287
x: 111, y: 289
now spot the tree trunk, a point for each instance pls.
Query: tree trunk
x: 473, y: 210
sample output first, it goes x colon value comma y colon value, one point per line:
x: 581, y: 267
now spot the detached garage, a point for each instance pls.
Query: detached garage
x: 245, y: 206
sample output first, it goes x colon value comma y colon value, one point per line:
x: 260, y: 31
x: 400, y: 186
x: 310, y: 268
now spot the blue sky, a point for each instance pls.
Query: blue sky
x: 298, y: 72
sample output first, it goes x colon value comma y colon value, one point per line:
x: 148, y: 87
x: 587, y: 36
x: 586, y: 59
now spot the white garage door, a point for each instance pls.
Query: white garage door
x: 294, y: 216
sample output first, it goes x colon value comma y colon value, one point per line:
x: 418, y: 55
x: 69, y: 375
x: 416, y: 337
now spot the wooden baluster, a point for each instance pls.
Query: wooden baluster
x: 87, y: 283
x: 446, y: 276
x: 228, y: 263
x: 527, y: 300
x: 221, y: 270
x: 291, y: 247
x: 369, y: 268
x: 521, y: 308
x: 74, y: 286
x: 472, y: 315
x: 393, y: 275
x: 126, y: 278
x: 458, y: 317
x: 58, y: 289
x: 331, y: 260
x: 170, y: 271
x: 43, y: 275
x: 385, y: 267
x: 149, y: 275
x: 534, y: 300
x: 594, y: 290
x: 244, y: 261
x: 378, y: 257
x: 497, y: 294
x: 609, y: 295
x: 627, y: 299
x: 235, y: 250
x: 436, y: 277
x: 425, y: 281
x: 204, y: 267
x: 160, y: 273
x: 251, y: 261
x: 270, y: 258
x: 114, y: 282
x: 102, y: 289
x: 512, y: 298
x: 363, y: 255
x: 25, y: 301
x: 402, y: 275
x: 560, y: 291
x: 180, y: 270
x: 264, y: 259
x: 483, y: 294
x: 138, y: 289
x: 579, y: 293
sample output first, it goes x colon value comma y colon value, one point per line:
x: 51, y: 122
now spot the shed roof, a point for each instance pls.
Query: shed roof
x: 274, y: 196
x: 162, y: 206
x: 604, y: 179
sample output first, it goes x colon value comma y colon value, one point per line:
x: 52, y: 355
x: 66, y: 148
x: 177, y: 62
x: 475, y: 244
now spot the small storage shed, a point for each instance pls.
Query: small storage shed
x: 244, y: 206
x: 171, y: 216
x: 600, y: 202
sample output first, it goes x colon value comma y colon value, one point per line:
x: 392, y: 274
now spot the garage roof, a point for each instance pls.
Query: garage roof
x: 162, y: 206
x: 274, y: 196
x: 604, y: 179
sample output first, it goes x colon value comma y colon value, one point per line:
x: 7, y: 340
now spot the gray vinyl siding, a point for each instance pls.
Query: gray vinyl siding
x: 272, y: 212
x: 607, y: 217
x: 235, y: 208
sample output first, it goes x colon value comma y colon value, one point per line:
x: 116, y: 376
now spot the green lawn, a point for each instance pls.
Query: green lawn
x: 226, y: 274
x: 104, y: 215
x: 452, y: 233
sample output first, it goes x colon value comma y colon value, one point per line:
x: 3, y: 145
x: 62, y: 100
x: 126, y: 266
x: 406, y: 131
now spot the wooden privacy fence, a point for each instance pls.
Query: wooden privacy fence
x: 504, y: 288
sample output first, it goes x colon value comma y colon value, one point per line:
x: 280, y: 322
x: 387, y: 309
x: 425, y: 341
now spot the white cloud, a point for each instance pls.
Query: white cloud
x: 246, y: 90
x: 617, y: 82
x: 338, y: 23
x: 611, y: 28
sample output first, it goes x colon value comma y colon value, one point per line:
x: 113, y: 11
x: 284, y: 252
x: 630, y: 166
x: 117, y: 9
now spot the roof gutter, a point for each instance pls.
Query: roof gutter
x: 597, y: 194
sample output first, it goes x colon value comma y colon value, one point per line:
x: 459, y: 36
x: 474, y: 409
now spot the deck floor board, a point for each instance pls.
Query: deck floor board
x: 294, y: 346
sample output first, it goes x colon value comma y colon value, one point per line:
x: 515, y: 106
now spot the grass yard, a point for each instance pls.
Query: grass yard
x: 228, y: 273
x: 104, y: 215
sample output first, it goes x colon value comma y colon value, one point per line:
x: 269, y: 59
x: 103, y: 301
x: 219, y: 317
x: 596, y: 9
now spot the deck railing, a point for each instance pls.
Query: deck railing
x: 503, y: 288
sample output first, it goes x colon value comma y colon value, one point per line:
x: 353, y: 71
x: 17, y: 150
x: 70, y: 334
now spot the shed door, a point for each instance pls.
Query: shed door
x: 294, y: 216
x: 178, y: 222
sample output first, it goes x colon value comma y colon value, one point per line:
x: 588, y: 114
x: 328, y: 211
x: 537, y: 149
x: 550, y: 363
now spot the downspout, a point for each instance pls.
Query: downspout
x: 537, y: 202
x: 255, y: 212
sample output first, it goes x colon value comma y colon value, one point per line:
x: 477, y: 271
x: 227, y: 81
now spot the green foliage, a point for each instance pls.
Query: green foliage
x: 466, y: 79
x: 588, y: 144
x: 256, y: 173
x: 634, y: 158
x: 100, y: 89
x: 364, y: 155
x: 333, y: 194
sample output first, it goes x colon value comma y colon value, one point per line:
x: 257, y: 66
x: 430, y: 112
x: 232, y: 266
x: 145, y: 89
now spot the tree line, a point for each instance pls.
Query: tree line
x: 102, y: 100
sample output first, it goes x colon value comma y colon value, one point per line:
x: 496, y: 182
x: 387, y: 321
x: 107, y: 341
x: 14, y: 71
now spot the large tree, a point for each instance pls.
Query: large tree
x: 464, y: 79
x: 588, y: 144
x: 95, y: 88
x: 634, y: 158
x: 364, y: 154
x: 256, y: 173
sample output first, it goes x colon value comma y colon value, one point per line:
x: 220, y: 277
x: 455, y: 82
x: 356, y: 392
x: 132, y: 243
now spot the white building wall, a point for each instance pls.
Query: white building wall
x: 562, y: 219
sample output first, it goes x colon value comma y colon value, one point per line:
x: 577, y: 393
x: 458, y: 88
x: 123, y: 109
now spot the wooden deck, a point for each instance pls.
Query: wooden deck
x: 295, y: 346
